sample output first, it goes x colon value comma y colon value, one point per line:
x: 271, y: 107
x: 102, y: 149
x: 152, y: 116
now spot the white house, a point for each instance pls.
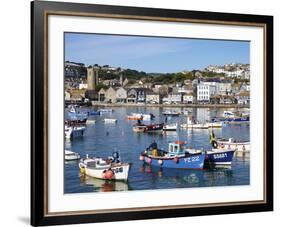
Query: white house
x: 152, y: 97
x: 121, y: 95
x: 188, y: 98
x: 175, y: 97
x: 204, y: 91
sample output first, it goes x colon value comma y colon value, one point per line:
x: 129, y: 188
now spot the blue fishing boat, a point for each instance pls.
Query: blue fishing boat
x: 73, y: 114
x: 216, y: 157
x: 176, y: 157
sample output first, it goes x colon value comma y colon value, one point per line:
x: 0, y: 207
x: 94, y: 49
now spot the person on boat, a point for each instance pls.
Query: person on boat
x: 213, y: 141
x: 153, y: 146
x: 139, y: 122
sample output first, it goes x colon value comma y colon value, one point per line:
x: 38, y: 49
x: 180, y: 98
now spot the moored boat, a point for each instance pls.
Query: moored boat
x: 170, y: 127
x: 141, y: 116
x: 78, y: 122
x: 154, y: 128
x: 215, y: 157
x: 71, y: 156
x: 231, y: 144
x: 171, y: 113
x: 73, y: 131
x: 194, y: 125
x: 175, y: 157
x: 107, y: 169
x: 110, y: 120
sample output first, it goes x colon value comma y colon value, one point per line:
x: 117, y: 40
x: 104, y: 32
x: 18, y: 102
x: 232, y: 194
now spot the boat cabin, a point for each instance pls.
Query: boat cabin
x: 176, y: 148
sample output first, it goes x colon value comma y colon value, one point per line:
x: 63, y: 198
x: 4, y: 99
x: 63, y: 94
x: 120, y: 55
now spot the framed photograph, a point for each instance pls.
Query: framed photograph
x: 141, y: 113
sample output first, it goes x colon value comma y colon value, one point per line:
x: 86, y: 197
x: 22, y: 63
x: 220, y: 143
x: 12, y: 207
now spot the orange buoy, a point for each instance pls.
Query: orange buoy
x: 108, y: 174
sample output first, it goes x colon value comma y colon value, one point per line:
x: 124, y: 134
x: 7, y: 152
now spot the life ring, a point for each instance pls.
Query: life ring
x: 214, y: 144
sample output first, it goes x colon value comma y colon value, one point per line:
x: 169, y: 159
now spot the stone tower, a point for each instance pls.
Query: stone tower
x: 92, y: 77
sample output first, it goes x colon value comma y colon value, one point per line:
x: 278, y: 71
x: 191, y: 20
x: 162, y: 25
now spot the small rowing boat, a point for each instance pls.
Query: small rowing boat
x: 110, y: 168
x: 110, y: 120
x: 71, y: 156
x: 154, y: 128
x: 172, y: 113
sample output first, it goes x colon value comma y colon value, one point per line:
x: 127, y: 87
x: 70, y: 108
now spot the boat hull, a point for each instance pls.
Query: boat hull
x: 220, y: 157
x: 121, y: 172
x: 189, y: 162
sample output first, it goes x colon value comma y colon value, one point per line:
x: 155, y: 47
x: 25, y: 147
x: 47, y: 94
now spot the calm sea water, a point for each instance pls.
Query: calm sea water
x: 102, y: 139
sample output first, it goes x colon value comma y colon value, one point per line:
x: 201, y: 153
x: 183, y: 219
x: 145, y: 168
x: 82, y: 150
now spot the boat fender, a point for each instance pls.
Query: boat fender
x: 108, y: 174
x: 141, y: 157
x: 176, y: 160
x: 243, y: 148
x: 148, y: 160
x: 214, y: 144
x: 82, y: 170
x: 160, y: 162
x: 229, y: 146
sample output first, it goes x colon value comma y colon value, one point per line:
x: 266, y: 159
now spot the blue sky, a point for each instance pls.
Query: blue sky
x: 153, y: 54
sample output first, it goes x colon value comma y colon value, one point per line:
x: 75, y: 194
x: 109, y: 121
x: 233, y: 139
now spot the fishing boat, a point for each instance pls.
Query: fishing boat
x: 71, y: 156
x: 231, y: 144
x: 140, y: 116
x: 228, y: 114
x: 170, y: 127
x: 237, y: 120
x: 110, y: 120
x: 90, y: 121
x: 217, y: 157
x: 73, y: 131
x: 194, y: 124
x: 214, y: 124
x: 139, y: 128
x: 172, y: 113
x: 73, y: 114
x: 175, y: 157
x: 110, y: 168
x: 77, y: 122
x: 154, y: 128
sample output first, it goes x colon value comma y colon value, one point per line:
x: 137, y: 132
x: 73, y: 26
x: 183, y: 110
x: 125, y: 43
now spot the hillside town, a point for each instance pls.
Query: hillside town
x: 94, y: 84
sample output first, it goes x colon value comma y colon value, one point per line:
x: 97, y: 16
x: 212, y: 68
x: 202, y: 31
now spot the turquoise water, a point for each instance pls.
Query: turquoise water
x: 102, y: 139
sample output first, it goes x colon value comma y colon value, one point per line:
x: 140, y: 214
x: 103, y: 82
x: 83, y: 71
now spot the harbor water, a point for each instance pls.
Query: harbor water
x: 101, y: 139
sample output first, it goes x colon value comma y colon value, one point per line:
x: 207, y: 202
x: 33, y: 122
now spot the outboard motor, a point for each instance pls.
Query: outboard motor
x: 115, y: 156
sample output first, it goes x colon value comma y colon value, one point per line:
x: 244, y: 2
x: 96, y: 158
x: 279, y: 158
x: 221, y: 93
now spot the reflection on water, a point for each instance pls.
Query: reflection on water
x: 102, y: 139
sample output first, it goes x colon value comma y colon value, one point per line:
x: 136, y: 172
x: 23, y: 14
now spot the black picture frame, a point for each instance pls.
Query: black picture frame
x: 39, y: 109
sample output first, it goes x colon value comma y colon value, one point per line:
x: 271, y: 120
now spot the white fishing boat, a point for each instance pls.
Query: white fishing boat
x: 71, y: 156
x: 139, y: 128
x: 194, y: 125
x: 228, y: 114
x: 171, y: 113
x: 214, y: 124
x: 90, y: 121
x: 232, y: 144
x: 170, y: 127
x: 110, y: 120
x: 141, y: 116
x: 107, y: 169
x: 71, y: 132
